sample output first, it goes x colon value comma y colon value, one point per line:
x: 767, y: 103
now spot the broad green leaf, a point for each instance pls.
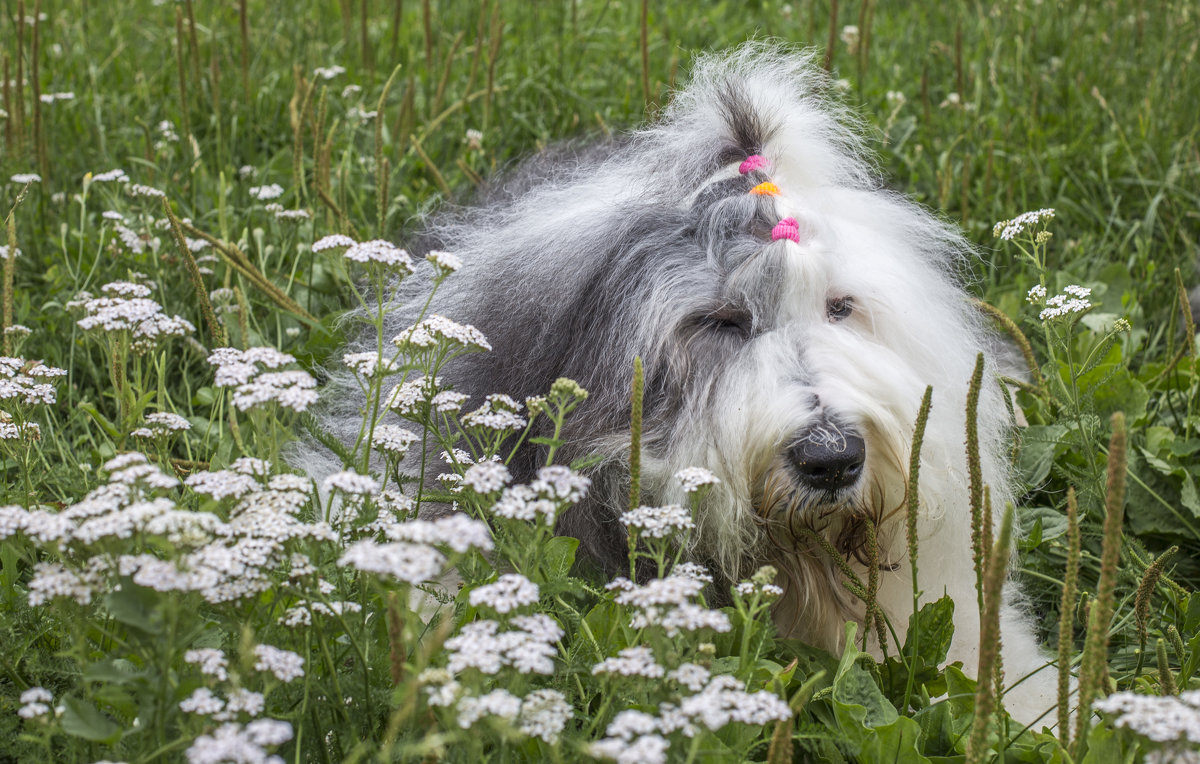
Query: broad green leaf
x: 134, y: 606
x: 81, y: 719
x: 558, y: 555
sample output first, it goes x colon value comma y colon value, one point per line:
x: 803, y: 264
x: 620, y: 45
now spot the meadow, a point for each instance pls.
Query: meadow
x: 188, y: 192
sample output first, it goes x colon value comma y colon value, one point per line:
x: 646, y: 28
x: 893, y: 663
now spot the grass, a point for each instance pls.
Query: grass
x: 1088, y: 109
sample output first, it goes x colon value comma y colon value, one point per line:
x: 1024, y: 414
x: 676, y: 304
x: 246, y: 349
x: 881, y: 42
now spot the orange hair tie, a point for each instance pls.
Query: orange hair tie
x: 765, y: 189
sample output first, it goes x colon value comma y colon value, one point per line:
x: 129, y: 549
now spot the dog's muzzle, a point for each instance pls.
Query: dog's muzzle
x: 828, y: 456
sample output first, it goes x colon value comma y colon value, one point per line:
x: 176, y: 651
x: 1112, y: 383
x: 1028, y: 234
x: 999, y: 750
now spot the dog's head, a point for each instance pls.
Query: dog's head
x: 788, y: 310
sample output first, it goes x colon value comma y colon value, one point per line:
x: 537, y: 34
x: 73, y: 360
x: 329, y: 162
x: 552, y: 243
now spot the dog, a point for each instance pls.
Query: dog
x: 789, y: 311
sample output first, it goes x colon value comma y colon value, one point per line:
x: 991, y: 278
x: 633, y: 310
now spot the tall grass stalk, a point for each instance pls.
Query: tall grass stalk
x: 1066, y: 619
x: 1093, y: 670
x: 987, y: 693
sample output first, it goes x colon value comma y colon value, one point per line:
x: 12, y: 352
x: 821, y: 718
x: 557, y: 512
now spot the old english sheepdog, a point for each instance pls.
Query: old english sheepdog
x: 790, y: 313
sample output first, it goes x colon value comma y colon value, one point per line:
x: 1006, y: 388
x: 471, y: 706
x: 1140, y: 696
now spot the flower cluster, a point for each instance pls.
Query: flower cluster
x: 1008, y: 229
x: 668, y: 603
x: 127, y: 307
x: 1074, y: 299
x: 438, y: 330
x: 243, y: 370
x: 692, y: 479
x: 528, y: 647
x: 555, y: 488
x: 659, y: 522
x: 376, y: 252
x: 161, y: 424
x: 1160, y: 719
x: 510, y: 592
x: 498, y: 413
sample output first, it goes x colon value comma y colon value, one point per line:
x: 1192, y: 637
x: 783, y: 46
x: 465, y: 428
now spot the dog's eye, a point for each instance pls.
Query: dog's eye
x: 839, y: 308
x: 728, y: 322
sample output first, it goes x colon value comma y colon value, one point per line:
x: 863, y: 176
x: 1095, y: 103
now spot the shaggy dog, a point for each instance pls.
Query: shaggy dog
x: 790, y: 313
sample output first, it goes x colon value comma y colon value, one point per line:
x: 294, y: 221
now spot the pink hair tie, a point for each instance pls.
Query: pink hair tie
x: 752, y: 163
x: 786, y: 229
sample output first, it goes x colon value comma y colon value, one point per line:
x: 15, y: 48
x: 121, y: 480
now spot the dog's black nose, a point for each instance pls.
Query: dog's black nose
x: 828, y: 456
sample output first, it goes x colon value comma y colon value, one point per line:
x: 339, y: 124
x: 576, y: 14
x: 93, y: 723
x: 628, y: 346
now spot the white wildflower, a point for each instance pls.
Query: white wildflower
x: 382, y: 253
x: 690, y: 675
x: 544, y: 714
x: 284, y: 664
x: 509, y: 592
x: 486, y: 477
x: 203, y: 702
x: 692, y: 479
x: 438, y: 329
x: 1037, y: 293
x: 329, y: 72
x: 235, y: 743
x: 647, y: 749
x: 659, y: 522
x: 1008, y: 229
x: 350, y: 482
x: 392, y: 440
x: 500, y: 703
x: 112, y: 176
x: 410, y: 563
x: 368, y: 364
x: 632, y: 661
x: 212, y: 662
x: 333, y: 241
x: 25, y: 178
x: 35, y: 703
x: 265, y: 193
x: 444, y: 262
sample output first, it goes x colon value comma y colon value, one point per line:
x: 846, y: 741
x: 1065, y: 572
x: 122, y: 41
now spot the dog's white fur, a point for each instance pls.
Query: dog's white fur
x: 652, y: 247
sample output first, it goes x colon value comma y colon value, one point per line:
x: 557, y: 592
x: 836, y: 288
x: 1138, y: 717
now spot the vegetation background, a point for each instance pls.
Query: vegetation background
x: 979, y: 110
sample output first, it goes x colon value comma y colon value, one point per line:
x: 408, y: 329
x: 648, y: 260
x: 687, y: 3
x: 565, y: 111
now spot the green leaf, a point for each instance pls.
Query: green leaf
x: 135, y: 606
x: 81, y: 719
x: 114, y: 671
x: 935, y: 624
x: 557, y: 556
x: 1040, y: 444
x: 100, y: 419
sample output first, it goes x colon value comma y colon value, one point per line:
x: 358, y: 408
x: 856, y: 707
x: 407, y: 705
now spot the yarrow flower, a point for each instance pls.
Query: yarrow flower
x: 1008, y: 229
x: 444, y: 262
x: 1072, y: 300
x: 486, y: 477
x: 379, y: 252
x: 632, y: 661
x: 126, y: 307
x: 1164, y: 719
x: 237, y: 743
x: 212, y: 662
x: 403, y: 561
x: 692, y: 479
x: 438, y: 329
x: 556, y: 487
x: 528, y: 647
x: 333, y: 241
x: 392, y: 440
x: 161, y: 424
x: 1037, y: 293
x: 329, y: 72
x: 510, y: 592
x: 253, y: 387
x: 659, y: 522
x: 265, y: 193
x: 35, y: 703
x: 283, y: 664
x: 369, y: 364
x: 498, y: 412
